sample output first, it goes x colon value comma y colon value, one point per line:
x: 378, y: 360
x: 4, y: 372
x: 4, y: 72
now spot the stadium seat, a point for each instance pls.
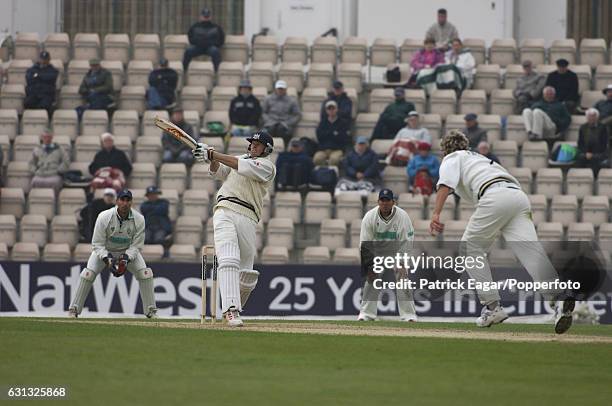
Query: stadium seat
x: 549, y: 182
x: 201, y: 180
x: 589, y: 98
x: 355, y: 232
x: 380, y: 99
x: 365, y: 123
x: 539, y: 208
x: 261, y: 74
x: 210, y: 232
x: 138, y: 72
x: 11, y: 97
x: 293, y: 74
x: 65, y: 230
x: 603, y: 76
x: 5, y: 145
x: 371, y: 201
x: 316, y: 255
x: 515, y: 129
x: 572, y: 131
x: 317, y: 207
x: 183, y: 253
x: 563, y: 48
x: 333, y: 233
x: 604, y: 182
x: 27, y: 45
x: 189, y: 231
x: 412, y: 204
x: 69, y: 97
x: 349, y: 73
x: 16, y: 71
x: 173, y: 198
x: 81, y: 253
x: 274, y: 255
x: 488, y: 77
x: 116, y: 47
x: 595, y: 209
x: 33, y: 228
x: 12, y: 201
x: 77, y: 69
x: 288, y: 205
x: 533, y: 49
x: 454, y: 229
x: 126, y: 123
x: 71, y: 201
x: 178, y: 67
x: 580, y: 232
x: 23, y: 147
x: 478, y: 48
x: 201, y: 73
x: 534, y: 155
x: 116, y: 70
x: 86, y: 46
x: 4, y: 252
x: 194, y: 98
x: 65, y: 122
x: 8, y: 229
x: 605, y: 232
x: 383, y: 52
x: 513, y: 73
x: 195, y: 203
x: 584, y: 77
x: 312, y: 99
x: 443, y: 102
x: 502, y: 102
x: 260, y: 93
x: 95, y: 122
x: 132, y: 98
x: 235, y: 49
x: 174, y: 46
x: 349, y: 205
x: 320, y: 74
x: 42, y: 201
x: 593, y: 52
x: 9, y: 123
x: 280, y: 233
x: 265, y: 48
x: 34, y: 121
x: 523, y: 175
x: 408, y: 48
x: 266, y: 211
x: 421, y: 230
x: 18, y: 174
x: 381, y: 147
x: 146, y: 47
x: 448, y: 212
x: 550, y: 236
x: 580, y: 182
x: 230, y: 74
x: 143, y: 175
x: 152, y: 252
x: 149, y: 129
x: 58, y: 45
x: 295, y: 49
x: 473, y: 101
x: 503, y: 52
x: 466, y: 209
x: 396, y: 178
x: 221, y: 116
x: 308, y: 123
x: 354, y: 50
x: 564, y: 209
x: 173, y: 176
x: 86, y: 147
x: 218, y: 143
x: 506, y: 151
x: 347, y: 256
x: 25, y: 251
x: 324, y: 50
x: 221, y: 97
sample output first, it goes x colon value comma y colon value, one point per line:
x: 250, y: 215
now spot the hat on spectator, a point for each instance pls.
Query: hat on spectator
x: 205, y: 12
x: 124, y: 193
x: 399, y: 92
x: 470, y: 117
x: 361, y: 140
x: 424, y: 146
x: 94, y: 61
x: 44, y: 55
x: 413, y: 113
x: 110, y: 191
x: 386, y: 194
x: 337, y: 84
x: 153, y: 190
x: 245, y: 83
x: 331, y: 103
x: 163, y: 62
x: 280, y: 84
x: 562, y: 63
x: 607, y: 89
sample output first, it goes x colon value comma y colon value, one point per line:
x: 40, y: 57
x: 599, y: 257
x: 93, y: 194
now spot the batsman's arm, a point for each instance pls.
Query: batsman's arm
x: 137, y: 241
x: 218, y: 157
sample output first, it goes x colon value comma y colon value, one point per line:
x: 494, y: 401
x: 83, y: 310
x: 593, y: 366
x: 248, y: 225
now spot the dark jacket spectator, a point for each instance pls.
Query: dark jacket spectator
x: 473, y: 131
x: 556, y: 111
x: 157, y: 220
x: 333, y: 133
x: 174, y: 150
x: 206, y: 38
x: 593, y: 143
x: 293, y: 167
x: 362, y: 163
x: 96, y: 88
x: 162, y: 82
x: 110, y: 156
x: 393, y: 118
x: 245, y: 109
x: 345, y: 104
x: 565, y: 83
x: 41, y: 80
x: 90, y: 212
x: 605, y: 107
x: 485, y: 150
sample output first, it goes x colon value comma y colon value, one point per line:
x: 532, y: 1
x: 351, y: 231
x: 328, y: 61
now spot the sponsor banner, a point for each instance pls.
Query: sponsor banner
x: 37, y: 288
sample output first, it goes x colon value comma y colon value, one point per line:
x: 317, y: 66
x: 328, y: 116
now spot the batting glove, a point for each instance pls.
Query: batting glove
x: 200, y: 153
x: 121, y: 265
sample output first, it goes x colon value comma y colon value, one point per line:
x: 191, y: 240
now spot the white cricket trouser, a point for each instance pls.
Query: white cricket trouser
x: 505, y: 209
x: 403, y: 297
x: 538, y: 122
x: 235, y: 236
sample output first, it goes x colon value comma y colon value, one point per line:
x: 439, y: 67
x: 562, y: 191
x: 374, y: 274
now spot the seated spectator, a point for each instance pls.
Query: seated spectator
x: 205, y: 38
x: 593, y: 145
x: 244, y: 111
x: 565, y: 83
x: 157, y: 220
x: 174, y: 150
x: 442, y: 31
x: 605, y: 108
x: 333, y: 135
x: 528, y: 87
x: 41, y: 79
x: 407, y: 140
x: 281, y: 113
x: 49, y: 161
x: 96, y: 88
x: 1, y: 165
x: 110, y: 166
x: 485, y: 149
x: 361, y: 169
x: 345, y: 104
x: 473, y: 131
x: 423, y: 170
x: 547, y: 118
x: 90, y: 212
x: 162, y: 86
x: 463, y: 59
x: 393, y: 118
x: 425, y: 58
x: 293, y: 167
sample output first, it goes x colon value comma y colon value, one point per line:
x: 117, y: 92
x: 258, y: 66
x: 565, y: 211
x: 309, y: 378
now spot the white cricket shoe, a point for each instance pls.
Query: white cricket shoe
x: 565, y: 317
x: 409, y: 318
x: 72, y: 313
x: 365, y: 317
x: 152, y: 313
x: 232, y: 317
x: 489, y: 317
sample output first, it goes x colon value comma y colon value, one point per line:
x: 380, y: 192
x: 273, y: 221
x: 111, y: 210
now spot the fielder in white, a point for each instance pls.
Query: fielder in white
x: 246, y: 180
x: 118, y: 237
x: 501, y: 208
x: 386, y: 222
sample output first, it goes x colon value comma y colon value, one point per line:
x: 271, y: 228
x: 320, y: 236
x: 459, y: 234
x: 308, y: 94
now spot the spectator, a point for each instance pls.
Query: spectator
x: 244, y: 111
x: 546, y: 118
x: 41, y: 79
x: 174, y: 150
x: 49, y: 161
x: 1, y: 164
x: 393, y: 118
x: 90, y: 212
x: 157, y: 221
x: 528, y: 87
x: 442, y: 31
x: 293, y: 167
x: 205, y: 38
x: 473, y: 131
x: 593, y: 149
x: 110, y: 157
x: 565, y: 83
x: 407, y: 140
x: 427, y: 57
x: 96, y: 88
x: 423, y: 170
x: 463, y: 59
x: 361, y: 164
x: 162, y: 86
x: 605, y: 108
x: 333, y: 136
x: 280, y: 112
x: 485, y: 149
x: 345, y: 104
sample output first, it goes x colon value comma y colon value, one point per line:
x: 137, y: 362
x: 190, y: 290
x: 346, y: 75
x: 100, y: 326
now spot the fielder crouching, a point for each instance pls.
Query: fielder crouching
x: 118, y: 237
x: 246, y: 180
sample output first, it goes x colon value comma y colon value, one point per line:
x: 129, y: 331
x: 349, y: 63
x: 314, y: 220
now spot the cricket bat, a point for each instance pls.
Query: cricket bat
x: 176, y: 132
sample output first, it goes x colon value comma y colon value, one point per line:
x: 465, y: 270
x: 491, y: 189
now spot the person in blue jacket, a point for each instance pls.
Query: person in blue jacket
x: 362, y: 163
x: 293, y: 167
x: 157, y: 221
x: 424, y: 160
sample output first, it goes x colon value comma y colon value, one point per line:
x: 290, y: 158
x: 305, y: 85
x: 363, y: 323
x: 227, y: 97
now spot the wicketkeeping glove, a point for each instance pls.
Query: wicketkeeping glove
x: 110, y: 263
x: 200, y: 153
x: 121, y: 265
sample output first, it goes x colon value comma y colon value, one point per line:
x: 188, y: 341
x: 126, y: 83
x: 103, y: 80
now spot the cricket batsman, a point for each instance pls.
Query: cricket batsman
x: 386, y: 222
x: 501, y: 208
x: 246, y: 180
x: 118, y: 237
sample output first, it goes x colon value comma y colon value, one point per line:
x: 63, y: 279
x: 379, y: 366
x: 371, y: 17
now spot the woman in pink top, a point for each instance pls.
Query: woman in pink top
x: 427, y: 57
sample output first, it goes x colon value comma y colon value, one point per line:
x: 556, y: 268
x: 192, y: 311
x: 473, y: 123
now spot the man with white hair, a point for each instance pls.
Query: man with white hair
x: 593, y: 145
x: 280, y: 112
x: 501, y: 207
x: 110, y: 156
x: 546, y: 118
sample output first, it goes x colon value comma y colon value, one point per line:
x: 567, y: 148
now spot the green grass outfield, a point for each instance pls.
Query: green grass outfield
x: 151, y: 364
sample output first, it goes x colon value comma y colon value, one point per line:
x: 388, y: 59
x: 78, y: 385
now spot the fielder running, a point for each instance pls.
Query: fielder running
x: 118, y: 237
x: 246, y: 180
x: 501, y: 208
x: 386, y: 222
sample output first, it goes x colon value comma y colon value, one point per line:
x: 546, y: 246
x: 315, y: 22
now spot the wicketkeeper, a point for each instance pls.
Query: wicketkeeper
x: 118, y: 237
